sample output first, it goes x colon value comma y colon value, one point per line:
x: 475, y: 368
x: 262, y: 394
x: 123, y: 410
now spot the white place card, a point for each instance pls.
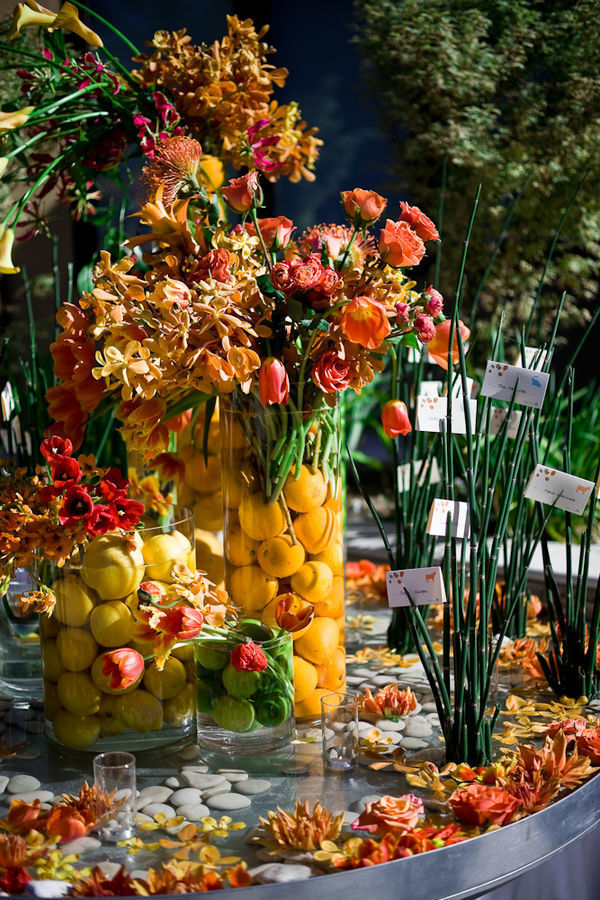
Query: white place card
x: 430, y: 388
x: 565, y: 491
x: 407, y: 473
x: 535, y: 358
x: 7, y: 401
x: 498, y: 417
x: 501, y: 381
x: 472, y: 387
x: 458, y: 513
x: 425, y: 586
x: 431, y: 414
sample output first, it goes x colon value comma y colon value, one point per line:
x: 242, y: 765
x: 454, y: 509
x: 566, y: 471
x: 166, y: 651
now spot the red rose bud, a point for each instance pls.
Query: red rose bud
x: 122, y: 667
x: 242, y: 193
x: 419, y: 222
x: 56, y: 446
x: 425, y: 328
x: 394, y: 418
x: 248, y: 657
x: 77, y: 506
x: 65, y: 471
x: 273, y: 382
x: 362, y: 207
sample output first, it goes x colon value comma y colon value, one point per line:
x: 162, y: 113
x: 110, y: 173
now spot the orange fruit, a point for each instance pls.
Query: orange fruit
x: 310, y: 708
x: 306, y: 491
x: 260, y: 520
x: 240, y: 550
x: 113, y: 565
x: 206, y: 543
x: 203, y: 476
x: 333, y: 604
x: 334, y: 503
x: 161, y: 552
x: 332, y: 675
x: 305, y: 679
x: 333, y: 556
x: 208, y: 511
x: 251, y: 588
x: 313, y: 581
x: 341, y: 622
x: 316, y: 529
x: 186, y: 496
x: 320, y: 641
x: 279, y: 556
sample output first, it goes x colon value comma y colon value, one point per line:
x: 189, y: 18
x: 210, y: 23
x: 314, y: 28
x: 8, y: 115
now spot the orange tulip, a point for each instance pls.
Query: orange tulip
x: 438, y: 347
x: 365, y: 322
x: 394, y: 418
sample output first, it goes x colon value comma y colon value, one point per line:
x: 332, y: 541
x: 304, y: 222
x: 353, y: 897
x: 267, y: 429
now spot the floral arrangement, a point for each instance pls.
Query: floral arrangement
x: 83, y: 117
x: 391, y: 701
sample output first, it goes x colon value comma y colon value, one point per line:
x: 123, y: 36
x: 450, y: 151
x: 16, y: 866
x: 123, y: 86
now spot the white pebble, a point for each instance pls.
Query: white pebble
x: 254, y: 786
x: 154, y: 809
x: 197, y: 767
x: 185, y: 796
x: 192, y: 752
x: 201, y: 781
x: 369, y: 798
x: 279, y: 873
x: 30, y: 796
x: 47, y: 888
x: 3, y: 783
x: 80, y: 845
x: 172, y: 782
x: 155, y: 793
x: 233, y: 775
x: 391, y: 724
x: 110, y: 869
x: 222, y: 788
x: 413, y: 743
x: 429, y: 706
x: 18, y: 784
x: 194, y: 811
x: 228, y: 802
x: 29, y: 753
x: 418, y: 728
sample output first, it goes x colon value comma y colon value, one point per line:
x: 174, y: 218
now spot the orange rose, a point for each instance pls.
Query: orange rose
x: 276, y: 232
x: 390, y: 814
x: 438, y: 347
x: 483, y: 804
x: 362, y: 206
x: 365, y: 322
x: 332, y: 373
x: 588, y: 744
x: 399, y: 245
x: 241, y: 193
x: 419, y: 222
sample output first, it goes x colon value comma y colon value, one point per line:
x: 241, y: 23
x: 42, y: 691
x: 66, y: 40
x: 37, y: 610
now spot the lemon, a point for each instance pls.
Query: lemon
x: 74, y: 601
x: 110, y: 724
x: 163, y: 551
x: 140, y: 711
x: 78, y: 693
x: 77, y: 732
x: 169, y: 682
x: 48, y: 626
x: 77, y: 648
x: 180, y: 709
x: 111, y: 624
x: 51, y: 661
x: 113, y: 566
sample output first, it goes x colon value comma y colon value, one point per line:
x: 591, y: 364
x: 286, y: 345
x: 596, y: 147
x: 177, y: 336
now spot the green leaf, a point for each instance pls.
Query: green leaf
x: 208, y: 414
x: 410, y: 340
x: 295, y: 310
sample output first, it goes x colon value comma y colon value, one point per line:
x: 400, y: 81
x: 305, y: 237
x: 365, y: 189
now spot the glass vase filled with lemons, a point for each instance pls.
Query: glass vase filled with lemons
x: 116, y: 673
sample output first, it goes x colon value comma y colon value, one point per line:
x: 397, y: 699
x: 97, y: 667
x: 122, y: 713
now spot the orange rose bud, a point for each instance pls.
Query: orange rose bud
x: 438, y: 347
x: 399, y: 245
x: 394, y: 418
x: 419, y: 222
x: 273, y: 382
x: 362, y: 207
x: 276, y: 232
x: 242, y: 193
x: 365, y: 322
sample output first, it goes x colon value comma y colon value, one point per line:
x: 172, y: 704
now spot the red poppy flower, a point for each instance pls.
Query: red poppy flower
x: 127, y: 512
x: 113, y: 485
x: 56, y: 446
x: 77, y: 506
x: 102, y: 519
x: 248, y: 657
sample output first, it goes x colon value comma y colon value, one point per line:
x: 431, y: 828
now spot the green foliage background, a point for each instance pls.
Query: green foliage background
x: 502, y: 93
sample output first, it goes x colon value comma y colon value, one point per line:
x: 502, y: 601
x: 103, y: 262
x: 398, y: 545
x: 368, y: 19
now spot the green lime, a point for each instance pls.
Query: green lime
x: 255, y: 630
x: 239, y: 684
x: 211, y: 655
x: 232, y: 714
x: 204, y: 696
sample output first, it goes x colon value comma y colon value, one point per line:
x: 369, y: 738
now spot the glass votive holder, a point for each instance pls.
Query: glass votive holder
x: 114, y: 772
x: 339, y: 724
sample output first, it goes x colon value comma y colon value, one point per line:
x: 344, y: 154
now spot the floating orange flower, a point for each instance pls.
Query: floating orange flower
x: 365, y: 322
x: 302, y: 829
x: 390, y: 814
x: 438, y: 347
x: 483, y: 804
x: 389, y: 701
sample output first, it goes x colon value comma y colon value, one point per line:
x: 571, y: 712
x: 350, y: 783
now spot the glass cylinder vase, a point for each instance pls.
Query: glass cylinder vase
x: 283, y: 532
x: 103, y: 689
x: 20, y: 664
x: 244, y: 689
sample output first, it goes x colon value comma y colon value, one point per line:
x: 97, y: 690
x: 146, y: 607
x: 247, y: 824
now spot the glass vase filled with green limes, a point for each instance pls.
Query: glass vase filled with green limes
x: 116, y: 673
x: 244, y: 685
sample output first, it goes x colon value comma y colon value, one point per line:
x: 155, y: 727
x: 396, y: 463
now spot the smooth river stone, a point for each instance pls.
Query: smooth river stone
x: 254, y: 786
x: 4, y: 779
x: 223, y: 788
x: 390, y: 724
x: 81, y: 845
x: 47, y: 888
x: 185, y: 796
x: 279, y: 873
x: 192, y: 752
x: 201, y: 781
x: 368, y: 798
x: 418, y: 728
x: 413, y: 743
x: 173, y: 782
x: 155, y: 793
x: 233, y: 775
x: 193, y: 811
x: 196, y: 767
x: 429, y: 706
x: 228, y: 802
x: 19, y: 784
x: 30, y: 796
x: 154, y: 809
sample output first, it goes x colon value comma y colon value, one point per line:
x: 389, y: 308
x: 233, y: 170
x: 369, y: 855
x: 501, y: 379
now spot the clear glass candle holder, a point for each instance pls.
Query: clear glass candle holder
x: 339, y: 724
x: 115, y: 772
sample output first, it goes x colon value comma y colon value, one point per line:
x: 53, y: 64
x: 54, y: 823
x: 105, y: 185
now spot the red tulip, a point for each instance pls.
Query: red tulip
x: 122, y: 667
x: 273, y: 382
x: 394, y: 418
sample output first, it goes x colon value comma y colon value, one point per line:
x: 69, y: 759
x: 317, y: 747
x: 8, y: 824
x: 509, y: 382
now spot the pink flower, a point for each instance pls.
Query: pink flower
x: 394, y: 418
x: 434, y: 302
x: 402, y: 313
x: 425, y: 328
x: 242, y: 193
x: 419, y: 222
x: 273, y: 382
x: 261, y: 161
x: 399, y: 245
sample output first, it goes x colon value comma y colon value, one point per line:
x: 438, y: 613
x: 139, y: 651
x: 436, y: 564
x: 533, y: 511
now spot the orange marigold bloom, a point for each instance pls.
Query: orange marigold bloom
x: 365, y: 322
